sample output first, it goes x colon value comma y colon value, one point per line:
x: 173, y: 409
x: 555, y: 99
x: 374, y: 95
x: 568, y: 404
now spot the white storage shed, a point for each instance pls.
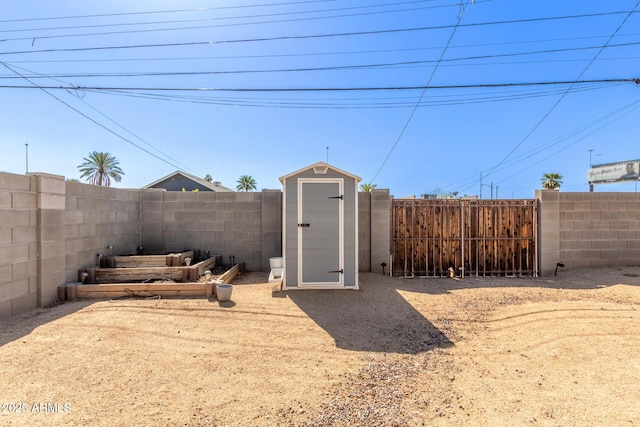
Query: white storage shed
x: 320, y: 228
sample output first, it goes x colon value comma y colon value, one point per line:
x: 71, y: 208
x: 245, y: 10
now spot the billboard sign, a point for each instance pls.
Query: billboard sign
x: 615, y: 172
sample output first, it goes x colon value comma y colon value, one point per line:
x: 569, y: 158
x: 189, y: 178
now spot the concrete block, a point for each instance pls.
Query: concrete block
x: 23, y: 200
x: 51, y: 201
x: 24, y: 270
x: 151, y: 207
x: 6, y: 273
x: 87, y: 203
x: 153, y: 194
x: 5, y: 236
x: 153, y: 215
x: 23, y: 304
x: 74, y: 217
x: 5, y: 200
x: 52, y: 217
x: 19, y: 252
x: 14, y: 182
x: 5, y: 309
x: 108, y: 192
x: 195, y: 206
x: 173, y: 206
x: 185, y: 216
x: 214, y: 226
x: 87, y: 230
x: 205, y: 216
x: 14, y: 289
x: 14, y: 217
x: 92, y: 217
x: 24, y: 234
x: 92, y: 244
x: 226, y: 197
x: 213, y: 206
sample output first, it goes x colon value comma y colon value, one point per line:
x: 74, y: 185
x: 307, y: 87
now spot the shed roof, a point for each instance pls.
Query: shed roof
x: 320, y: 165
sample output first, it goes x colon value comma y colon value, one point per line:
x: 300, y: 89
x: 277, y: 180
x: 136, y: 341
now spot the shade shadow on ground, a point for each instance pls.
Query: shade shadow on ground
x: 16, y: 327
x: 375, y: 318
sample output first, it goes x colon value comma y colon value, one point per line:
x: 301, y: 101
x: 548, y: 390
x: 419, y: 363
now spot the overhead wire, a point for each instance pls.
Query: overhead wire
x: 562, y: 96
x: 415, y: 109
x: 328, y: 89
x: 307, y: 36
x: 325, y: 68
x: 91, y: 119
x: 195, y: 27
x: 103, y: 15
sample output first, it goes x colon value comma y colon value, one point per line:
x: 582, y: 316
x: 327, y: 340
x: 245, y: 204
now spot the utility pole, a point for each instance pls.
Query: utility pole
x: 590, y: 150
x: 27, y: 157
x: 327, y: 154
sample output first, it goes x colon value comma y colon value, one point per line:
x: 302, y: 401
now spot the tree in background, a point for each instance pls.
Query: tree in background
x: 246, y: 183
x: 100, y: 168
x: 367, y: 187
x: 208, y: 178
x: 551, y: 181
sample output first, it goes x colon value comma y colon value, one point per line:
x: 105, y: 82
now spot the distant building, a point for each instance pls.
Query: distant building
x: 177, y: 181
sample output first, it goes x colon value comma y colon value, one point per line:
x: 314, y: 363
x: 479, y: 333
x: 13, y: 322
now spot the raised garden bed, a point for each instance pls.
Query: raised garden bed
x: 150, y: 276
x: 202, y: 287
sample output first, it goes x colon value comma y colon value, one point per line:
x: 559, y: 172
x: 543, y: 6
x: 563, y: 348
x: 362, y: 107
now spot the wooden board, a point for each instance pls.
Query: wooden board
x: 143, y: 289
x: 111, y: 275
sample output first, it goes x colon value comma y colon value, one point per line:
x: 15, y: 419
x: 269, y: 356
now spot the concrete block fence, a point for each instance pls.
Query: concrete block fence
x: 51, y: 228
x: 583, y: 230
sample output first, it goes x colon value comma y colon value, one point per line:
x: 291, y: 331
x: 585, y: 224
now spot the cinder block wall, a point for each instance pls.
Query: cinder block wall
x: 50, y: 228
x: 245, y: 225
x: 18, y: 244
x: 95, y: 218
x: 582, y: 230
x: 374, y: 230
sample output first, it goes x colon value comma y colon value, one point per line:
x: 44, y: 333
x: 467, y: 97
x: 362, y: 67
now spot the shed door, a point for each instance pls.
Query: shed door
x: 320, y: 232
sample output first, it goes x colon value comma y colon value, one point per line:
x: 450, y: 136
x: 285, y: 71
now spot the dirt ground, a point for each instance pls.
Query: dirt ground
x: 546, y: 351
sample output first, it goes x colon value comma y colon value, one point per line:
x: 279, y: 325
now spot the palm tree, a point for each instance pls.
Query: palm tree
x: 246, y: 183
x: 208, y: 178
x: 367, y: 187
x: 551, y: 181
x: 99, y: 168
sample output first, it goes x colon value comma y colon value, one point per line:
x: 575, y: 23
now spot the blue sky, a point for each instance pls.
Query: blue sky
x: 270, y: 69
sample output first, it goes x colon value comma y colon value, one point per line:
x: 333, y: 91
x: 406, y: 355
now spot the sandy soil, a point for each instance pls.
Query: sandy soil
x: 490, y: 351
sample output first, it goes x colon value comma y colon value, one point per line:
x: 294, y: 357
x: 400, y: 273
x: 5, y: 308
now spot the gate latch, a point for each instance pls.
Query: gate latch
x: 341, y: 197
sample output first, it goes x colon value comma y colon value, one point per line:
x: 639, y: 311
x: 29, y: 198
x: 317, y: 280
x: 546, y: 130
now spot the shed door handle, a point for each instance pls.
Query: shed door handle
x: 304, y: 224
x: 341, y: 197
x: 341, y: 271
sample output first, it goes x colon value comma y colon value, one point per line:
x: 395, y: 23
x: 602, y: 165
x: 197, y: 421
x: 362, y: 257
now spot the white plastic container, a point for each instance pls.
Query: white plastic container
x: 223, y: 292
x: 275, y: 262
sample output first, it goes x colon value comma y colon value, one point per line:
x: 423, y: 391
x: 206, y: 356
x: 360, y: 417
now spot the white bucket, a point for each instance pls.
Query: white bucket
x: 275, y: 262
x: 223, y: 292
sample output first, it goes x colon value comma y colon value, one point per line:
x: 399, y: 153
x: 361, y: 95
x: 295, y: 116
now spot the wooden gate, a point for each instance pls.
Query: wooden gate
x: 464, y: 237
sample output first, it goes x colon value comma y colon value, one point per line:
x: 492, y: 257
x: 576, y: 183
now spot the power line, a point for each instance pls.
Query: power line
x: 165, y: 29
x: 307, y: 36
x: 330, y: 89
x: 327, y: 68
x: 103, y: 15
x: 553, y: 107
x: 35, y: 86
x: 415, y: 109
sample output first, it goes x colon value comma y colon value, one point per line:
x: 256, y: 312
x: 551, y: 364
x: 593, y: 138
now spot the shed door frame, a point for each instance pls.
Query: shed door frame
x: 301, y: 230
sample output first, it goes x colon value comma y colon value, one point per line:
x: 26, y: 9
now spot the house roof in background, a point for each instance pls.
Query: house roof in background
x: 213, y: 186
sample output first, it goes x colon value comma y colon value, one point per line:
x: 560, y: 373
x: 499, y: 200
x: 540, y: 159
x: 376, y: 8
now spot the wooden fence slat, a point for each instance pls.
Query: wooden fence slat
x: 483, y: 237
